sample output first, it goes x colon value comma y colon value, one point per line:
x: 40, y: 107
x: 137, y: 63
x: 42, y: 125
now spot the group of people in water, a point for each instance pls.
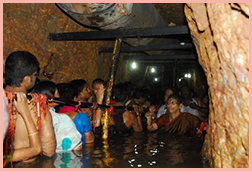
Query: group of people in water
x: 47, y: 118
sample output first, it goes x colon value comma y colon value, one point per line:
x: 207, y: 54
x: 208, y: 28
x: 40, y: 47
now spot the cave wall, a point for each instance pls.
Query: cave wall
x: 26, y: 26
x: 220, y: 32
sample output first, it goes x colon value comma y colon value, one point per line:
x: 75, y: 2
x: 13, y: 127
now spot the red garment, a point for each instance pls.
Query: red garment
x: 201, y: 128
x: 67, y: 109
x: 164, y: 120
x: 112, y: 102
x: 185, y: 123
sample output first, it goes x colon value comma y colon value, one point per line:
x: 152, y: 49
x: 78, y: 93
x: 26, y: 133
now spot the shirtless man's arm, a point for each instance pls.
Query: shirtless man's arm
x: 135, y: 121
x: 48, y: 139
x: 151, y: 126
x: 89, y: 137
x: 99, y: 112
x: 35, y: 143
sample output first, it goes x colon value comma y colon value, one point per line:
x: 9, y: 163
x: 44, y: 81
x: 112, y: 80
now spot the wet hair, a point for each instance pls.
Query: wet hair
x: 99, y: 81
x: 173, y: 89
x: 44, y: 87
x: 121, y: 91
x: 77, y: 86
x: 189, y: 89
x: 66, y: 92
x: 130, y: 84
x: 138, y: 93
x: 18, y: 65
x: 176, y: 97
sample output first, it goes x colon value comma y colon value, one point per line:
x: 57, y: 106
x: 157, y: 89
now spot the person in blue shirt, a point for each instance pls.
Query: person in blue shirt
x: 81, y: 120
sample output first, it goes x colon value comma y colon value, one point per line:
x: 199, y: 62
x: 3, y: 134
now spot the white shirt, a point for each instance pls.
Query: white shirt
x: 5, y: 115
x: 188, y: 109
x: 162, y: 110
x: 67, y: 136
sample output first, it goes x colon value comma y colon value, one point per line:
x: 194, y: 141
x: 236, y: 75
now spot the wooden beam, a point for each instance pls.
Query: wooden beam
x: 124, y: 33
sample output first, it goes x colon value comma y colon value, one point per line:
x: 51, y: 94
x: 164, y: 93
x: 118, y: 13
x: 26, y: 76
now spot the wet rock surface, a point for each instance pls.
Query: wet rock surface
x: 220, y: 33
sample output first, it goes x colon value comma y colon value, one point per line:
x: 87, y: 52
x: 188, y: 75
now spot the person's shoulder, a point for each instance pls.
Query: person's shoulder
x: 198, y: 100
x: 82, y: 115
x: 61, y: 116
x: 162, y: 106
x: 189, y: 116
x: 128, y: 113
x: 186, y: 114
x: 164, y: 116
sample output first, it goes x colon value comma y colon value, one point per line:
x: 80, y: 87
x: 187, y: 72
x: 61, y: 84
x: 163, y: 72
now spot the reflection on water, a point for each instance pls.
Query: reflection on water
x: 146, y: 150
x: 70, y: 159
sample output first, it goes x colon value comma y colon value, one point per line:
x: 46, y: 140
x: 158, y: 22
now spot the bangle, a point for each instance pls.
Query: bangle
x: 33, y: 133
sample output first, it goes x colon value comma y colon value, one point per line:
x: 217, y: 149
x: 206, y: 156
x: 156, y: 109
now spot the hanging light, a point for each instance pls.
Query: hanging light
x: 189, y: 75
x: 153, y: 70
x: 134, y: 65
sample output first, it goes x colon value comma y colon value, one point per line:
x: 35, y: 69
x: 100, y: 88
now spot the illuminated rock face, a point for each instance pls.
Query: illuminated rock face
x: 27, y: 27
x: 220, y: 32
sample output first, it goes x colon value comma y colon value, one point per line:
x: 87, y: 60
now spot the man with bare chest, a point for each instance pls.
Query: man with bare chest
x: 33, y: 128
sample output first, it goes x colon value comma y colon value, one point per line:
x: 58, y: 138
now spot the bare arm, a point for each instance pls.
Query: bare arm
x: 99, y: 112
x: 203, y: 110
x: 150, y: 125
x: 136, y: 127
x: 47, y: 134
x: 138, y: 117
x: 131, y: 120
x: 35, y: 143
x: 89, y: 137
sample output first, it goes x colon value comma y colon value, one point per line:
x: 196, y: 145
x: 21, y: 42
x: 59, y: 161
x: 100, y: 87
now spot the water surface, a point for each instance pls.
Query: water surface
x: 138, y: 150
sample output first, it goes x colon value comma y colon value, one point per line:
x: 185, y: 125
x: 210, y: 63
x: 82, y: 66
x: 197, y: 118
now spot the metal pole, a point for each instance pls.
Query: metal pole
x: 115, y: 57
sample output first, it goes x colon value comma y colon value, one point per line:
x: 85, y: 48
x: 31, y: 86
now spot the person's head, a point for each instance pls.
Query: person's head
x: 186, y: 92
x: 21, y: 69
x: 45, y: 87
x: 121, y: 92
x: 139, y: 96
x: 65, y: 92
x: 132, y: 88
x: 174, y: 103
x: 168, y: 92
x: 81, y: 90
x: 153, y: 108
x: 96, y: 83
x: 147, y: 91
